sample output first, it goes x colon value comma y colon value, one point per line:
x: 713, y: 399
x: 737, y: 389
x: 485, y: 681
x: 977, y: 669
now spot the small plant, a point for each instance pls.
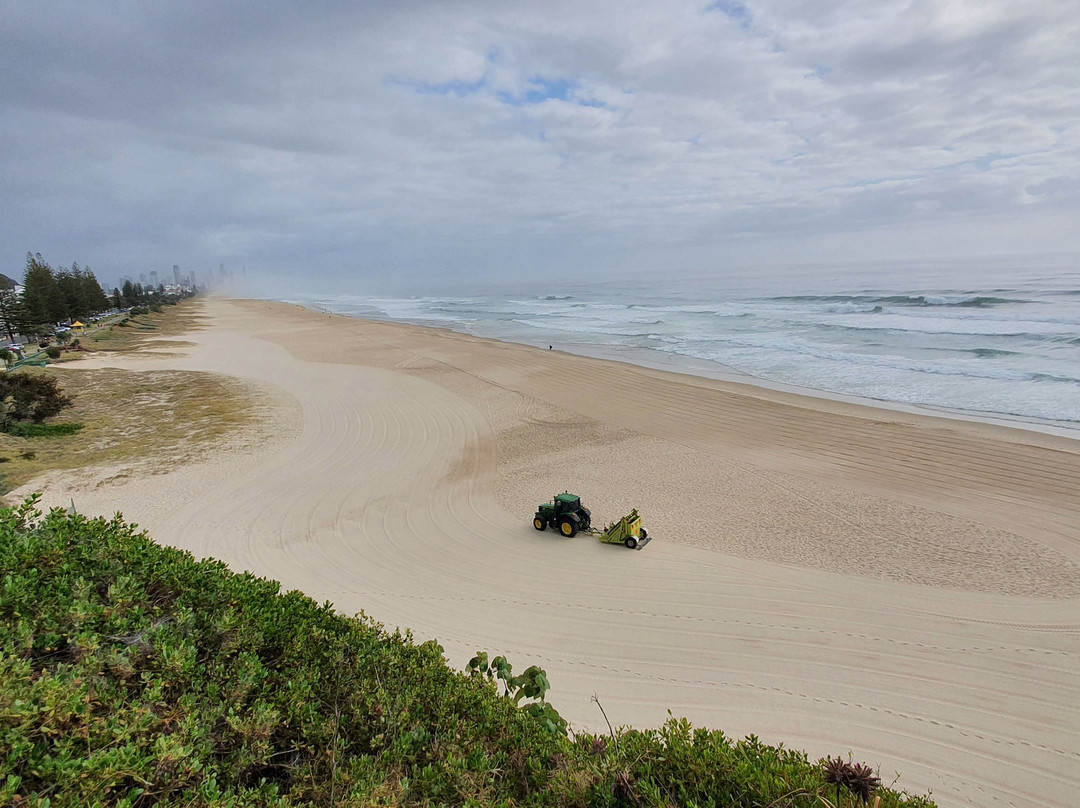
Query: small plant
x: 532, y: 684
x: 8, y: 356
x: 53, y: 352
x: 857, y: 778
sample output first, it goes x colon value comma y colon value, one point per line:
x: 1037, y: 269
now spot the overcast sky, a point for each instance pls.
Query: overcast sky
x: 361, y: 140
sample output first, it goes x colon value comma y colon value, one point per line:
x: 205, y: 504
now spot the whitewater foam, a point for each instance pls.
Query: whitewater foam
x: 1011, y: 350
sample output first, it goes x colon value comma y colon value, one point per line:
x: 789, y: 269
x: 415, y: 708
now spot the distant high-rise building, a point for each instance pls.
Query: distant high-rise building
x: 142, y: 278
x: 153, y: 279
x: 221, y: 270
x: 176, y: 274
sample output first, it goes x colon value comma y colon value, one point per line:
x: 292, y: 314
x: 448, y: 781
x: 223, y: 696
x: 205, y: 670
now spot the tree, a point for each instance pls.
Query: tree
x: 93, y: 296
x: 81, y: 292
x: 12, y: 311
x: 69, y: 285
x: 41, y: 295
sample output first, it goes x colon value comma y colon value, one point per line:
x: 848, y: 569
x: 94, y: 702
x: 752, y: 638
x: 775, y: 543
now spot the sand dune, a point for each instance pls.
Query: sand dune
x: 834, y: 577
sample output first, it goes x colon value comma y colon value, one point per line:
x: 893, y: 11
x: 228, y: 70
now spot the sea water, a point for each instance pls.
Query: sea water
x: 1003, y: 341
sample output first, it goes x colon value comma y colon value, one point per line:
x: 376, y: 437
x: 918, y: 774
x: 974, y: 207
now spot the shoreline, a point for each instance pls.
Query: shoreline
x: 691, y: 366
x: 717, y: 371
x: 823, y: 574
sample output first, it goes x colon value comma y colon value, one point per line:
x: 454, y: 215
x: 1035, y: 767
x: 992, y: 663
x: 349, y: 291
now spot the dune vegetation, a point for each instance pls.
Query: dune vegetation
x: 132, y: 674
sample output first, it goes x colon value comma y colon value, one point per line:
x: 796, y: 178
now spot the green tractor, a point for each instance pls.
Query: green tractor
x: 564, y: 513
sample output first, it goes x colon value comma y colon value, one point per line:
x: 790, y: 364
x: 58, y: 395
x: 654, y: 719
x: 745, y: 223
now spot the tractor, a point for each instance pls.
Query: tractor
x: 564, y: 513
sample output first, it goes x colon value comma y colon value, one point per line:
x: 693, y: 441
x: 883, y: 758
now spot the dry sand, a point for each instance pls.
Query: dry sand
x: 835, y: 577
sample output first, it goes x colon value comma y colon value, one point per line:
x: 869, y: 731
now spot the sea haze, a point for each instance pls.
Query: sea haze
x: 1007, y: 344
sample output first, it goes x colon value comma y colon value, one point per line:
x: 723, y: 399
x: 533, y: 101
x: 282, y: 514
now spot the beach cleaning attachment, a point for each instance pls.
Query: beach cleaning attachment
x: 566, y: 514
x: 627, y: 530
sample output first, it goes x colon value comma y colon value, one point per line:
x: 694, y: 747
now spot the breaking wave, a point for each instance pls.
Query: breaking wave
x: 974, y: 301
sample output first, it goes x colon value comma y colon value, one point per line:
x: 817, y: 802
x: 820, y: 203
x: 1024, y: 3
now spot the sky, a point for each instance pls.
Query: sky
x: 340, y: 145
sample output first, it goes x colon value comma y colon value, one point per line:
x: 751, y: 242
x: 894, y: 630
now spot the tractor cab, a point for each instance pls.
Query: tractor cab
x: 567, y: 503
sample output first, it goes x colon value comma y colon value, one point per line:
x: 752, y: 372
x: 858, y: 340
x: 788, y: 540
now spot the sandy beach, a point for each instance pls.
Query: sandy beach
x: 836, y: 577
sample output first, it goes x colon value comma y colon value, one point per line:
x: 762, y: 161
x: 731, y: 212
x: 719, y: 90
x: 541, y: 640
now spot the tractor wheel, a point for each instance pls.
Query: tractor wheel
x: 538, y: 523
x: 644, y: 534
x: 568, y: 528
x: 630, y: 542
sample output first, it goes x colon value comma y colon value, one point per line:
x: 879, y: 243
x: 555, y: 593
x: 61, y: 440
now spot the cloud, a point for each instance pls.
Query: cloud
x: 419, y: 137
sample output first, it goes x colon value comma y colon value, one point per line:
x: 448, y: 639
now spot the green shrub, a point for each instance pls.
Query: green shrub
x: 23, y: 430
x: 53, y: 352
x: 31, y: 397
x: 134, y: 675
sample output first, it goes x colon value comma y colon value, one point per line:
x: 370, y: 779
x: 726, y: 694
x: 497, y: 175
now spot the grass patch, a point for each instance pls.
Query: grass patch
x: 145, y: 329
x: 151, y: 421
x: 133, y: 675
x: 24, y: 430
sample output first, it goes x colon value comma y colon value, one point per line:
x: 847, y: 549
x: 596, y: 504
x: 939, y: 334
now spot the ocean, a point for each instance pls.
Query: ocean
x: 1005, y: 345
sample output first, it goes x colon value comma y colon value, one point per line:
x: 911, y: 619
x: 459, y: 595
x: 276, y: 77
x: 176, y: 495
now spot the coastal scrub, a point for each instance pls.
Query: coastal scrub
x: 133, y: 675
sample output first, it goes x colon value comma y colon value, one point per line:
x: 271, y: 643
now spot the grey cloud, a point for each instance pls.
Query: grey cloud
x: 381, y: 135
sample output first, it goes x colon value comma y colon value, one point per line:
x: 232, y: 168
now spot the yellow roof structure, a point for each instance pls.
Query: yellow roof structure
x: 77, y: 324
